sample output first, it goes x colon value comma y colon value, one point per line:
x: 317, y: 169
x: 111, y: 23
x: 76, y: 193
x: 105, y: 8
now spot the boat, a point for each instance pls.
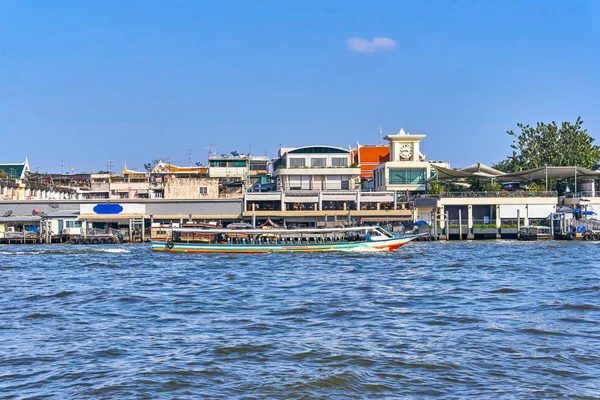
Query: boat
x: 532, y: 233
x: 179, y: 240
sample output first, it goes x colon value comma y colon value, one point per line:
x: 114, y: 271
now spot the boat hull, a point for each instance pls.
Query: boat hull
x: 382, y: 245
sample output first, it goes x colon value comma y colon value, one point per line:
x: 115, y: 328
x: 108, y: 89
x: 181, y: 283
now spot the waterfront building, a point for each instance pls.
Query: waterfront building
x: 315, y: 168
x: 238, y: 172
x: 407, y: 169
x: 17, y: 182
x: 496, y: 212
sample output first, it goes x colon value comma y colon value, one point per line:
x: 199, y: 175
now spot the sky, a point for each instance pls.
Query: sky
x: 83, y: 83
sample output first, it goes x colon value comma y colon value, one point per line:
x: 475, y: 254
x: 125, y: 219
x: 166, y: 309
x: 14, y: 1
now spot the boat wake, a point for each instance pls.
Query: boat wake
x: 361, y: 250
x: 74, y: 251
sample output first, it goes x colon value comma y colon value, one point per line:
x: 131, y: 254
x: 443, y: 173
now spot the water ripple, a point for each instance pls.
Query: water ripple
x: 496, y: 319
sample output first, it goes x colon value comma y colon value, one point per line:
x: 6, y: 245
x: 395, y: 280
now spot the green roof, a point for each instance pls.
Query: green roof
x: 12, y: 171
x: 318, y: 150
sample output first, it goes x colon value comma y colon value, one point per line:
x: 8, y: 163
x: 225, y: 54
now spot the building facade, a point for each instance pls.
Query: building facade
x: 407, y: 168
x: 315, y: 168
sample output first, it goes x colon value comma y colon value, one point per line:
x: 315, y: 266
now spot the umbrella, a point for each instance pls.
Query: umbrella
x: 420, y: 223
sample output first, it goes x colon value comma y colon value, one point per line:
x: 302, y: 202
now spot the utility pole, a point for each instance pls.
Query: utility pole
x: 190, y: 163
x: 109, y: 166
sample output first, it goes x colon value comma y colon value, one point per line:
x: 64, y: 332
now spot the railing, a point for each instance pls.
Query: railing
x: 516, y: 194
x: 582, y: 194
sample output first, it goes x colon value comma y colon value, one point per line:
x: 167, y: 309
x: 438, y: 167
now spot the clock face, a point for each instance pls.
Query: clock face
x: 405, y: 150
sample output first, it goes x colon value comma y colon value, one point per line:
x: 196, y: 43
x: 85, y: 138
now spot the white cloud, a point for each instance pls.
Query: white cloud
x: 361, y: 45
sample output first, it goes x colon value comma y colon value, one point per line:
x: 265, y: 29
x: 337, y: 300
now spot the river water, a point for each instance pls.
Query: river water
x: 496, y: 319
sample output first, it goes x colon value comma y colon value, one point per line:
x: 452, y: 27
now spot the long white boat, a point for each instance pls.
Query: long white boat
x: 202, y: 240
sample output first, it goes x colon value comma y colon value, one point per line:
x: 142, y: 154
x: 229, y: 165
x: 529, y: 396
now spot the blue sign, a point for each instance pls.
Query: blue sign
x: 109, y: 208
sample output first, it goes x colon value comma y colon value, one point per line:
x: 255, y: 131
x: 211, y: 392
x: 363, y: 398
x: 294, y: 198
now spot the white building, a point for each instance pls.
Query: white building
x: 407, y: 168
x: 315, y: 168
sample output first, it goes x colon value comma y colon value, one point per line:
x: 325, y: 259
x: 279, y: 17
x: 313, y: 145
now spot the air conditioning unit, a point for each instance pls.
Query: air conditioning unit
x: 65, y: 231
x: 10, y: 229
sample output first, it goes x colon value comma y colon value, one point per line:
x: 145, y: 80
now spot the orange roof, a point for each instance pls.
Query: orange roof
x: 371, y: 156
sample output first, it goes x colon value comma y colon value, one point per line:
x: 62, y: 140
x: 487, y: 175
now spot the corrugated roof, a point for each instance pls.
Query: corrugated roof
x: 21, y: 218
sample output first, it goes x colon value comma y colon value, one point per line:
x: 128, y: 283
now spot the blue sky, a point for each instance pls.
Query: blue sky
x: 129, y: 81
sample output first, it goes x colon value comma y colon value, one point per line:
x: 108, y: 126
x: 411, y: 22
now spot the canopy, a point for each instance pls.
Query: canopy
x: 479, y: 170
x: 550, y: 173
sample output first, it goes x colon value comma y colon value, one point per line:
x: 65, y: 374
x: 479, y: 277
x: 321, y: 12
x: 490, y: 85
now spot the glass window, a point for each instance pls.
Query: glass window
x: 345, y: 182
x: 297, y: 162
x: 408, y: 176
x: 339, y: 162
x: 258, y: 166
x: 202, y: 189
x: 318, y: 162
x: 217, y: 163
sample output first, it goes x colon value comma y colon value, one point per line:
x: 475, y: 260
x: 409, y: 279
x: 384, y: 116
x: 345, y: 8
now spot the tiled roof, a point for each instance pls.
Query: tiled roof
x: 370, y: 156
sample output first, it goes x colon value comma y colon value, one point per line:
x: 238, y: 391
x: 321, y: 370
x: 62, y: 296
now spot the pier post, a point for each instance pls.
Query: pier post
x: 518, y: 222
x: 470, y: 235
x: 459, y: 224
x: 498, y: 221
x: 447, y: 226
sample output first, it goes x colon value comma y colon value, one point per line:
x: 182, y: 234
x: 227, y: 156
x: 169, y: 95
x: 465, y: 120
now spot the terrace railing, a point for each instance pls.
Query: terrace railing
x: 491, y: 194
x: 582, y: 194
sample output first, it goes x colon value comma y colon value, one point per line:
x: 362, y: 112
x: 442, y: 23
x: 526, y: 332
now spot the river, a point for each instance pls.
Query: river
x: 495, y: 319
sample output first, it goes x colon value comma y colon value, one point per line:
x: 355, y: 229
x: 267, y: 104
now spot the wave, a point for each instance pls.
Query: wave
x: 58, y: 252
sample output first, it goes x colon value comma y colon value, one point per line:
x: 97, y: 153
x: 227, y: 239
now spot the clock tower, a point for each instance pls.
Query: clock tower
x: 407, y: 169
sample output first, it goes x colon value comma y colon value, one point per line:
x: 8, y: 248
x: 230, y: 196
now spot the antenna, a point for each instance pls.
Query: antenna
x: 190, y: 157
x: 109, y: 165
x: 380, y: 133
x: 62, y: 167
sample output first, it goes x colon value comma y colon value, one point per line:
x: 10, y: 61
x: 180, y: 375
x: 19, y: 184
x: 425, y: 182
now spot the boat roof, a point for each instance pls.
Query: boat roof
x: 271, y: 231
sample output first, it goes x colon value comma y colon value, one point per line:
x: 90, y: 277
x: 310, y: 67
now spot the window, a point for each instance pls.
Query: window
x: 295, y: 182
x: 297, y: 162
x: 345, y: 182
x: 217, y: 163
x: 258, y: 166
x: 202, y: 189
x: 124, y: 195
x: 408, y: 176
x: 73, y: 224
x: 318, y: 162
x: 334, y: 182
x: 299, y: 182
x: 339, y: 162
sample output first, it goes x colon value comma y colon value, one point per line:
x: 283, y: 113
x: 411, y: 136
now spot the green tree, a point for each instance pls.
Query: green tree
x: 552, y: 145
x: 150, y: 166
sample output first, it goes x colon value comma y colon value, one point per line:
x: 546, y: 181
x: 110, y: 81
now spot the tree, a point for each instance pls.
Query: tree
x: 549, y: 144
x: 150, y: 166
